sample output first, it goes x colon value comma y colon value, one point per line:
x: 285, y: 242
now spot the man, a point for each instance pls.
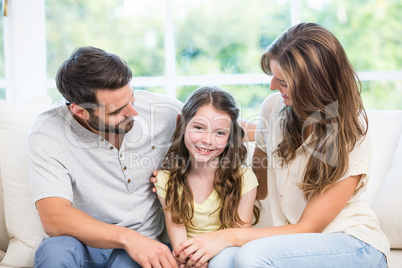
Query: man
x: 91, y: 160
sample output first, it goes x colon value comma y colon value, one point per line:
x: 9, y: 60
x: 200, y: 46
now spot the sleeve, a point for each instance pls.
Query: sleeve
x: 49, y: 176
x: 268, y: 108
x: 359, y: 162
x: 249, y: 181
x: 161, y: 181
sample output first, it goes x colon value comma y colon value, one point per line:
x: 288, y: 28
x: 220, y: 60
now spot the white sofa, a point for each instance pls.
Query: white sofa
x: 21, y: 230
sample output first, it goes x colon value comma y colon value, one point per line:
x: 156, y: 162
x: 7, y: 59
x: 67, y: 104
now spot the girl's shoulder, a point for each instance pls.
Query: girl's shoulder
x: 247, y: 172
x: 162, y: 177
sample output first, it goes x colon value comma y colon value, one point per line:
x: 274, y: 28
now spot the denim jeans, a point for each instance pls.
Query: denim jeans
x: 302, y: 251
x: 66, y: 251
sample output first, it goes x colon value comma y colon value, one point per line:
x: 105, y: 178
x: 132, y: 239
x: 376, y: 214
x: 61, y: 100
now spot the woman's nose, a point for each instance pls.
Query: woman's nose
x: 274, y: 84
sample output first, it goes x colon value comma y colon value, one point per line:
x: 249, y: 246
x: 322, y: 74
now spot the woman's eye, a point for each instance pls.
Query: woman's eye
x: 198, y: 127
x: 221, y: 133
x: 283, y: 85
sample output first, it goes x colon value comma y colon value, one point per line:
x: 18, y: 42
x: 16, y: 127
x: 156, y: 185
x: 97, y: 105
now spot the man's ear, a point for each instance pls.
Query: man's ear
x: 79, y: 111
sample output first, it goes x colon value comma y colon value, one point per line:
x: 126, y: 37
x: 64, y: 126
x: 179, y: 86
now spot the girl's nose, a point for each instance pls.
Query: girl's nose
x: 207, y: 138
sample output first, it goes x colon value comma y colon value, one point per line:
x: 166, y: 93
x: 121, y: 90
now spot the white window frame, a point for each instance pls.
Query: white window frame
x: 25, y: 56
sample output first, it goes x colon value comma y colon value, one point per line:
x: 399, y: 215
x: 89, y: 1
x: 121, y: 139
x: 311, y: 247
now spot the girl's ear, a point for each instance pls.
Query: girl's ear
x: 79, y: 111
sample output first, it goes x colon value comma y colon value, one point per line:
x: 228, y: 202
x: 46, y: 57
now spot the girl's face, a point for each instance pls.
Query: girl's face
x: 278, y: 82
x: 207, y: 134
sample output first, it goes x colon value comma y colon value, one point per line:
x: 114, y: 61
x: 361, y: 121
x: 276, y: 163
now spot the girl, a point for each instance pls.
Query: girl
x: 313, y: 134
x: 203, y: 185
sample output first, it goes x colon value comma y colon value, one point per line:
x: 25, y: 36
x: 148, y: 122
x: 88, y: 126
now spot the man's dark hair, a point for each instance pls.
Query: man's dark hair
x: 90, y: 69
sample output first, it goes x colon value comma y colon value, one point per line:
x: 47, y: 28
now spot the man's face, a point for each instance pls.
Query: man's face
x: 115, y: 112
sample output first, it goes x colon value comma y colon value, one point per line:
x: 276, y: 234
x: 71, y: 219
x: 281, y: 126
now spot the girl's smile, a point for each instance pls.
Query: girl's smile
x: 207, y: 134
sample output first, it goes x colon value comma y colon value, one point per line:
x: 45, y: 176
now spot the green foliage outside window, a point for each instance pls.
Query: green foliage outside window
x: 227, y: 37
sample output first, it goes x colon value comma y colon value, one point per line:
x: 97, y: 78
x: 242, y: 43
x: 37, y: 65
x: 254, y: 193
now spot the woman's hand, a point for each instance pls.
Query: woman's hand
x: 154, y: 180
x: 197, y: 251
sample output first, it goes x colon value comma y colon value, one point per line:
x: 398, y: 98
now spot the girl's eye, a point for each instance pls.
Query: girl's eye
x: 283, y: 85
x: 221, y: 133
x: 198, y: 128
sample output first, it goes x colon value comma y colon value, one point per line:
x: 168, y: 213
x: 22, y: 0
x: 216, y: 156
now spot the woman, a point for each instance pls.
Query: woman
x: 312, y: 159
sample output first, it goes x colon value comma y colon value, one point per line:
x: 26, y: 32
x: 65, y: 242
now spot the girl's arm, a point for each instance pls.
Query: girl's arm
x: 320, y: 211
x: 245, y: 209
x: 177, y: 232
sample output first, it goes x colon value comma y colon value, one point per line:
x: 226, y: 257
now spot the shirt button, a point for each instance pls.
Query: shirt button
x: 124, y: 168
x: 128, y: 180
x: 121, y: 155
x: 153, y: 147
x: 111, y: 147
x: 102, y: 139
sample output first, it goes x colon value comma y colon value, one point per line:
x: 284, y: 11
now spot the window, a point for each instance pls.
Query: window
x: 2, y: 75
x: 175, y: 46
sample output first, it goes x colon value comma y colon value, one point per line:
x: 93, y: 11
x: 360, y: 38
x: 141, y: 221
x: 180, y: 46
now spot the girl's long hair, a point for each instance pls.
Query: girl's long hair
x: 228, y: 176
x: 325, y: 94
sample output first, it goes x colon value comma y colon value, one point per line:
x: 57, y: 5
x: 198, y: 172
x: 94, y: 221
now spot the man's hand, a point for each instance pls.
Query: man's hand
x: 150, y: 253
x: 154, y: 180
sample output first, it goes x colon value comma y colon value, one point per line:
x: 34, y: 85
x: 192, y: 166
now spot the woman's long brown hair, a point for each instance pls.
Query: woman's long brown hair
x: 228, y: 176
x: 325, y: 94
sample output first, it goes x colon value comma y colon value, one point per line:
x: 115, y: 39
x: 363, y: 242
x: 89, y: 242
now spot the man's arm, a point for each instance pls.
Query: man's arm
x: 60, y: 218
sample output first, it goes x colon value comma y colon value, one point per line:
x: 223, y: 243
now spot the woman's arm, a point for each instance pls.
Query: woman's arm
x: 177, y: 232
x: 320, y: 211
x: 260, y: 167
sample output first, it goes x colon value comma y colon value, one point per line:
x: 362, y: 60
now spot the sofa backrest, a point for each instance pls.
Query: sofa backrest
x: 385, y: 128
x: 20, y: 226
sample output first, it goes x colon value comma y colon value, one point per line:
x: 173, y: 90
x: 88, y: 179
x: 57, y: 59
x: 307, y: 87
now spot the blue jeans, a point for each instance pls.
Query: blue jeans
x: 301, y: 251
x: 66, y: 251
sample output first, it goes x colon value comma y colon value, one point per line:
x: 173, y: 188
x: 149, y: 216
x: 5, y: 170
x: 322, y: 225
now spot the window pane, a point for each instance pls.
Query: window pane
x: 161, y: 90
x: 56, y: 96
x: 248, y: 98
x: 131, y: 29
x: 214, y: 37
x: 2, y: 93
x: 1, y: 48
x: 382, y: 95
x: 370, y: 31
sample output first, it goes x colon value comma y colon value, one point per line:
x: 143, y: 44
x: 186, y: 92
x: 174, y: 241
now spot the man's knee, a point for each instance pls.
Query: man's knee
x: 61, y: 251
x: 120, y: 259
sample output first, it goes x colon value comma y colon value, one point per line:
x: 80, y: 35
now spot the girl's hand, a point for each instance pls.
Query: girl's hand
x: 153, y: 179
x: 197, y: 251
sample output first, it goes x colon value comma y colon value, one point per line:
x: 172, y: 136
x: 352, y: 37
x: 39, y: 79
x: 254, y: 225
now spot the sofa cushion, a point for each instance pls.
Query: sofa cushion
x: 388, y: 203
x: 21, y: 218
x: 385, y: 129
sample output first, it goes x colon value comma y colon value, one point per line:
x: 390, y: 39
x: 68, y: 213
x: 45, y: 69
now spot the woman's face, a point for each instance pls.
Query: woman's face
x: 278, y: 82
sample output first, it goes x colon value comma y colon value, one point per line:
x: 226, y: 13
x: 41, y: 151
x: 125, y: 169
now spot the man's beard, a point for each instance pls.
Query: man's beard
x: 101, y: 126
